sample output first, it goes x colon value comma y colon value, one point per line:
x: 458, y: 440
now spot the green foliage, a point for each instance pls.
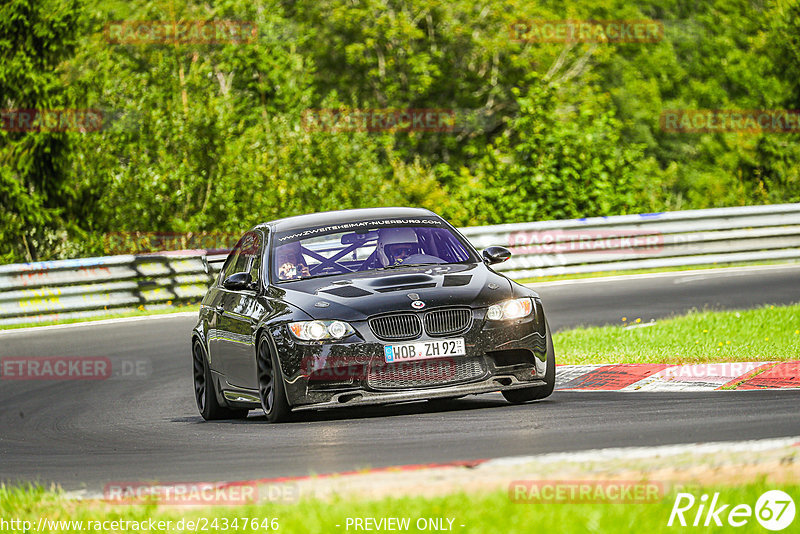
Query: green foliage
x: 35, y: 37
x: 557, y: 163
x: 205, y: 137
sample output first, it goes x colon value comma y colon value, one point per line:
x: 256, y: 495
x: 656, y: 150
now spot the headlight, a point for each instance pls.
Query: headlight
x: 320, y: 330
x: 510, y: 309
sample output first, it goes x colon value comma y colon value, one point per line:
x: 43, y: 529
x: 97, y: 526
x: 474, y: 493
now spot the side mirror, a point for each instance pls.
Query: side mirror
x: 494, y: 255
x: 238, y: 282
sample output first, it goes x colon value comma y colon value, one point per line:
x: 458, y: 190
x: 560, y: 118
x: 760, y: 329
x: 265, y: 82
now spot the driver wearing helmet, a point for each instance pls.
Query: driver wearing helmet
x: 395, y: 245
x: 290, y: 262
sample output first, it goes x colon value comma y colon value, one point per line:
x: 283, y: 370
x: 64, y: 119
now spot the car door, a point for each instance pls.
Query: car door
x: 217, y: 302
x: 237, y: 320
x: 218, y: 343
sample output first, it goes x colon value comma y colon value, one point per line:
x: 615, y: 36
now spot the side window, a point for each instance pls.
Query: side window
x: 230, y: 263
x: 240, y: 258
x: 255, y: 264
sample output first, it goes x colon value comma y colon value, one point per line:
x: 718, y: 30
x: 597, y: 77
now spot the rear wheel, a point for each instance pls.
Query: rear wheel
x: 204, y: 392
x: 271, y: 390
x: 518, y: 396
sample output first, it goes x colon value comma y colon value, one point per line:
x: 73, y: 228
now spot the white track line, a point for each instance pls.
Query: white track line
x: 695, y: 272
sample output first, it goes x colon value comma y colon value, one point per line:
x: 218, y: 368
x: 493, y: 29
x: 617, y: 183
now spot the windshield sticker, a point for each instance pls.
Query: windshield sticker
x: 362, y: 224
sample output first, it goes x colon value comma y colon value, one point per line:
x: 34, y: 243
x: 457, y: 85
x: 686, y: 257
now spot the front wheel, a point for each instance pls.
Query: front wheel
x: 271, y: 390
x: 518, y: 396
x: 204, y: 392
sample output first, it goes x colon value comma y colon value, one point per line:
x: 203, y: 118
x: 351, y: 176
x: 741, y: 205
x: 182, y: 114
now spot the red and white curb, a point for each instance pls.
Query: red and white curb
x: 482, y: 473
x: 665, y: 377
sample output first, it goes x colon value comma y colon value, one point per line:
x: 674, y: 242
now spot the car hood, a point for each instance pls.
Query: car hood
x: 356, y: 296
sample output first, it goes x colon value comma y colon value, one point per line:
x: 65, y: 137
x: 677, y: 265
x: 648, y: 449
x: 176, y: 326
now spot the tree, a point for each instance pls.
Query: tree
x: 37, y: 197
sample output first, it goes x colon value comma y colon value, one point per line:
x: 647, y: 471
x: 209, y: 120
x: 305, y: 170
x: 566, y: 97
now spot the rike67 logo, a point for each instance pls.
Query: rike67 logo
x: 774, y: 510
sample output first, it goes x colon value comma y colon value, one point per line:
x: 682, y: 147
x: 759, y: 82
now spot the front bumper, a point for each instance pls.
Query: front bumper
x: 365, y: 397
x: 511, y: 355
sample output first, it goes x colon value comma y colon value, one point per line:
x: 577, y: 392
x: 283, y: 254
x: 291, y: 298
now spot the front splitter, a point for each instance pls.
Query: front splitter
x: 365, y: 398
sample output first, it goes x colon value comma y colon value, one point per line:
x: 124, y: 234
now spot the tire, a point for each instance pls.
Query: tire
x: 271, y: 390
x: 205, y: 394
x: 519, y: 396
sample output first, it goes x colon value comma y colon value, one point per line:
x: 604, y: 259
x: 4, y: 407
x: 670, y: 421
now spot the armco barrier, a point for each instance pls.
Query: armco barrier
x: 72, y: 289
x: 653, y: 240
x: 66, y: 289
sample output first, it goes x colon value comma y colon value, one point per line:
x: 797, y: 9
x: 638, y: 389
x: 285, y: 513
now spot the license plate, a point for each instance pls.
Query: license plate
x: 405, y: 352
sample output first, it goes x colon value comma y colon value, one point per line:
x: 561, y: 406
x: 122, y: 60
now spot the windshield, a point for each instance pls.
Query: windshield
x: 371, y: 245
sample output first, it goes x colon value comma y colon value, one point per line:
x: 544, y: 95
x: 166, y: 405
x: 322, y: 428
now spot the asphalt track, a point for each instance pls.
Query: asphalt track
x: 85, y: 434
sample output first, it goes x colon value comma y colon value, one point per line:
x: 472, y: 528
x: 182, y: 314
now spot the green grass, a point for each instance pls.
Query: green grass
x: 603, y: 274
x: 110, y: 315
x: 771, y: 333
x: 481, y: 513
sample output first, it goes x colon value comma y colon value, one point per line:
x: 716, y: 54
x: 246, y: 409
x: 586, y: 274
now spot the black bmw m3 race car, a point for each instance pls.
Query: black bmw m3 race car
x: 367, y: 306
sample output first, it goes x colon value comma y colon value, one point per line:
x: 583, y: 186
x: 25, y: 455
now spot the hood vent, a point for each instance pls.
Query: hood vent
x: 456, y: 280
x: 346, y: 291
x: 402, y: 279
x: 408, y: 287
